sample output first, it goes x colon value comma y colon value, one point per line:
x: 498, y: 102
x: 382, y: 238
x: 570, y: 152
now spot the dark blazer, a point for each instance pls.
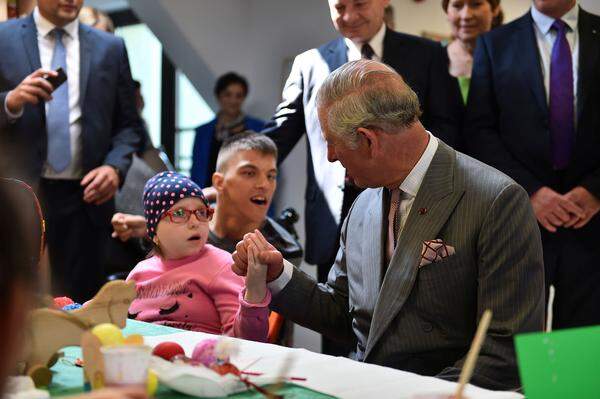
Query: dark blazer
x: 419, y: 61
x: 111, y: 126
x: 507, y: 117
x: 422, y: 319
x: 507, y: 127
x: 202, y: 155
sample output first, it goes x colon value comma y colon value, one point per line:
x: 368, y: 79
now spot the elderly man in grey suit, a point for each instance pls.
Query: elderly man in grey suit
x: 436, y: 239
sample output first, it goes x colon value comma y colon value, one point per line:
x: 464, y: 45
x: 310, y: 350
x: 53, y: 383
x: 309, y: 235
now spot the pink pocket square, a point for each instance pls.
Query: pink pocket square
x: 435, y: 251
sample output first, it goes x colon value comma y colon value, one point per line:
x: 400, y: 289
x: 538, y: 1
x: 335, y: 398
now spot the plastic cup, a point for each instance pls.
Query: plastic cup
x: 126, y: 365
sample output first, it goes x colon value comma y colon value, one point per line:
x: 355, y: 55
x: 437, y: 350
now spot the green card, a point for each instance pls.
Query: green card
x: 561, y: 364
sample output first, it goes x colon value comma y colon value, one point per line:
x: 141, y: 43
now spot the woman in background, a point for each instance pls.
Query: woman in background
x: 231, y: 90
x: 468, y: 19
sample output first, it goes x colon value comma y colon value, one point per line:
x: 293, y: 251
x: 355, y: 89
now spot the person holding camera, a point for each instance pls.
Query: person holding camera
x: 72, y: 138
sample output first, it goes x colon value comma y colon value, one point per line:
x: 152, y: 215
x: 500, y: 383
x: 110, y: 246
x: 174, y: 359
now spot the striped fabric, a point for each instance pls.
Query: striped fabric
x: 423, y: 319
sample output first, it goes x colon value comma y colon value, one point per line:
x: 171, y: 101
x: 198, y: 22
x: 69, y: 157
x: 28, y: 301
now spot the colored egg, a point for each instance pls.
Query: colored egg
x: 134, y: 339
x: 152, y: 384
x: 204, y: 352
x: 167, y: 350
x: 108, y: 334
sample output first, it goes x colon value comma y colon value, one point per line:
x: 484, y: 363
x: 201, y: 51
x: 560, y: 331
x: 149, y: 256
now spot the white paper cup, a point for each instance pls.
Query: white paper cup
x: 126, y: 365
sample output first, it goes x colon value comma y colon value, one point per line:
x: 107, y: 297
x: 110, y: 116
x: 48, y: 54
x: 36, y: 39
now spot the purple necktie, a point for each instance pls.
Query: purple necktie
x: 562, y: 119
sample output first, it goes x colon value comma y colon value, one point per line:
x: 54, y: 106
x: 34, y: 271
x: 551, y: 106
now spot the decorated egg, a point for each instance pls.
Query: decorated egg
x: 134, y: 339
x: 205, y: 352
x: 167, y: 350
x: 108, y: 334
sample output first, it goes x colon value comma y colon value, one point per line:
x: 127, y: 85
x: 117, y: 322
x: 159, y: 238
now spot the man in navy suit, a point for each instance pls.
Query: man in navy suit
x: 533, y: 113
x: 330, y: 191
x: 72, y: 142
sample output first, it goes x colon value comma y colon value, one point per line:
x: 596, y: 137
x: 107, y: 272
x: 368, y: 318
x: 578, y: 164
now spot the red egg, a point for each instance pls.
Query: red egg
x: 167, y: 350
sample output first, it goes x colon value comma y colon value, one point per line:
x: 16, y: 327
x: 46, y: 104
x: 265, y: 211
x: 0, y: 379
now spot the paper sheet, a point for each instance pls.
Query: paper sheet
x: 336, y: 376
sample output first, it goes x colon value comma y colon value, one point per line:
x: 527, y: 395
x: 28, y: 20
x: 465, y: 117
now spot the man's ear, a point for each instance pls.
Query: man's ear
x: 217, y: 181
x: 371, y: 139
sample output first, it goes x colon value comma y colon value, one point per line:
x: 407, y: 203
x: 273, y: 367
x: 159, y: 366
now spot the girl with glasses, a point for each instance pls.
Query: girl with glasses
x: 187, y: 283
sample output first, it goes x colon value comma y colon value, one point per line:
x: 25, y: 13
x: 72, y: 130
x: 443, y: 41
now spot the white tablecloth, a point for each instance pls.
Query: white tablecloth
x: 336, y: 376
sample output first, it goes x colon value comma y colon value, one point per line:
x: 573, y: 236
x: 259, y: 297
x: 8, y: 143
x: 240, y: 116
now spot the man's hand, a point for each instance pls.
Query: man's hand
x: 30, y: 91
x: 100, y: 184
x: 553, y: 210
x: 267, y: 254
x: 126, y: 226
x: 210, y: 193
x: 587, y: 201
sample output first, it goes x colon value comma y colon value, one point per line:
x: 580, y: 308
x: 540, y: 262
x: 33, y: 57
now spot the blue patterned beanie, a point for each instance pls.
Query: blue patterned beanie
x: 163, y: 191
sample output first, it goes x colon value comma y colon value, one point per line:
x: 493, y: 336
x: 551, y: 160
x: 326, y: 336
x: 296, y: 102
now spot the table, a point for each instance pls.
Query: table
x: 326, y: 376
x: 68, y: 379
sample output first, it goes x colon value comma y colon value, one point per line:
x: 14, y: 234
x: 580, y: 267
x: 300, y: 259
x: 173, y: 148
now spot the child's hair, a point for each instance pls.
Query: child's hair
x: 21, y: 235
x: 245, y: 141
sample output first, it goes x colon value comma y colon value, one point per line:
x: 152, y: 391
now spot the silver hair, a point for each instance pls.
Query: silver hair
x: 366, y: 94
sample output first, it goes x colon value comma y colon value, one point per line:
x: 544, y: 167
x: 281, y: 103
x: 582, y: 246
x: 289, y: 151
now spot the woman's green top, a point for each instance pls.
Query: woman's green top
x: 463, y: 84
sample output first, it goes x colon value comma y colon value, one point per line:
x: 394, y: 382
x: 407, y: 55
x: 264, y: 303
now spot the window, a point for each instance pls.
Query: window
x: 145, y: 59
x: 191, y: 112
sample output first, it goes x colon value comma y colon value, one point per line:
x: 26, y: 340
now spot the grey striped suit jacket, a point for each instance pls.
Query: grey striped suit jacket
x: 423, y: 319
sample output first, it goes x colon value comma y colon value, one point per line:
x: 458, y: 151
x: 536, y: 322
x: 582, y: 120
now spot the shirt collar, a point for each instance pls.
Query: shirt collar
x: 376, y: 42
x: 544, y: 22
x: 410, y: 186
x: 44, y: 27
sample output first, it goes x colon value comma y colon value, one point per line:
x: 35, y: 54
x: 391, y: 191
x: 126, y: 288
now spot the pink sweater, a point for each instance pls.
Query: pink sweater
x: 198, y: 293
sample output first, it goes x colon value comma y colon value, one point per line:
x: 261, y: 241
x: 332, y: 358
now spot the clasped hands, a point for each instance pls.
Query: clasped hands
x: 571, y: 210
x: 256, y: 259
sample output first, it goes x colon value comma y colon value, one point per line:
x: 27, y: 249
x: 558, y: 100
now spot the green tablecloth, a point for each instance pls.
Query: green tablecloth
x: 68, y: 379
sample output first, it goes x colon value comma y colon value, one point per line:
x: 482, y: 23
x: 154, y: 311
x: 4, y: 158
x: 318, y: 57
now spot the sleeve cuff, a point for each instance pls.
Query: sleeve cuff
x: 280, y: 282
x: 263, y: 304
x: 10, y: 116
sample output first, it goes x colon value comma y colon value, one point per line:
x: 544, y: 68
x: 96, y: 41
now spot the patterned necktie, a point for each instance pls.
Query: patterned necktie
x: 57, y: 118
x: 366, y: 52
x: 562, y: 119
x: 393, y: 223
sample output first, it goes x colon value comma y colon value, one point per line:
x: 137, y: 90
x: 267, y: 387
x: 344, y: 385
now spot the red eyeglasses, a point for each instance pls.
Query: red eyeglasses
x: 181, y: 215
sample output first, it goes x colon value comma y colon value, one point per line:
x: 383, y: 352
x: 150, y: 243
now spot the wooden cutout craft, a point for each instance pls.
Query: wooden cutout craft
x: 51, y: 329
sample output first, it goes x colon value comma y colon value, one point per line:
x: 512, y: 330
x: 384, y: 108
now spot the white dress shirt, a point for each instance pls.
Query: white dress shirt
x: 409, y: 189
x: 545, y: 37
x: 46, y: 43
x: 376, y: 44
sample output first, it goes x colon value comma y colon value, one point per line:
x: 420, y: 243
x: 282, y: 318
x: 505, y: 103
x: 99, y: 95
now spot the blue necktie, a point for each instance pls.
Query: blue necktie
x: 57, y: 118
x: 562, y: 119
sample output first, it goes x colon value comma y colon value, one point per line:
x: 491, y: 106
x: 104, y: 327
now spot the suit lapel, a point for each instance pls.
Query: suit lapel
x: 528, y: 56
x: 85, y: 55
x: 391, y: 49
x: 30, y: 42
x: 374, y: 254
x: 334, y: 53
x: 439, y: 194
x: 589, y: 53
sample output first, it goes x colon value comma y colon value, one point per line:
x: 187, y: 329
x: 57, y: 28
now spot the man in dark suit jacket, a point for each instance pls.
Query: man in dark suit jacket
x: 329, y: 191
x: 73, y: 142
x: 533, y: 112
